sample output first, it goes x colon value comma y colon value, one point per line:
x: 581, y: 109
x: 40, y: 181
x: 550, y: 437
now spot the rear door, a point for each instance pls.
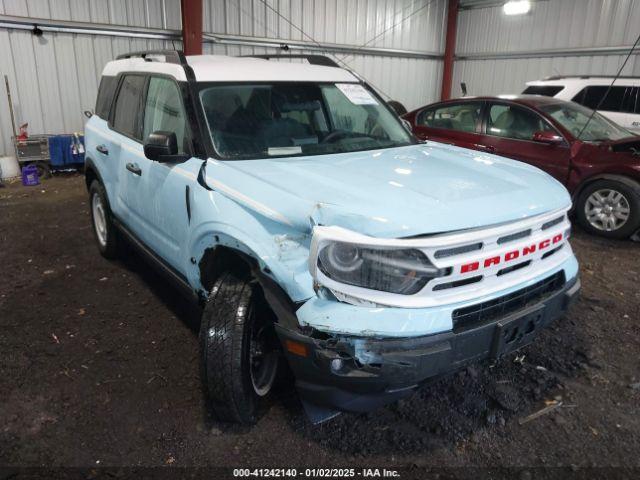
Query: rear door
x: 456, y: 123
x: 508, y: 131
x: 125, y: 122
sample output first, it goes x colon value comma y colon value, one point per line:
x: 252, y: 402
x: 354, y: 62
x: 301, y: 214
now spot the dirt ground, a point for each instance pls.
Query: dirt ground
x: 99, y: 367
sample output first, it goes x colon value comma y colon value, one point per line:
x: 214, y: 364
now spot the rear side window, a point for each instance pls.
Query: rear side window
x: 547, y: 91
x: 105, y: 96
x: 462, y: 117
x: 126, y: 115
x: 591, y: 96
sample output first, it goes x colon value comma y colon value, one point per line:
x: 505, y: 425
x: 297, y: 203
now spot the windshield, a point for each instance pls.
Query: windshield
x: 290, y: 119
x: 573, y: 117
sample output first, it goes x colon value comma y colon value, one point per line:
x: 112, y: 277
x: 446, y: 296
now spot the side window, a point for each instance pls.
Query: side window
x: 630, y: 101
x: 105, y: 96
x: 164, y: 111
x: 462, y: 117
x: 514, y: 122
x: 545, y: 90
x: 126, y: 117
x: 590, y: 97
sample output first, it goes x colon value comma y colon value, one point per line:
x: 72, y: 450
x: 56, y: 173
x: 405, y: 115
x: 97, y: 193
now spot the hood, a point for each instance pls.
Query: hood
x: 401, y: 192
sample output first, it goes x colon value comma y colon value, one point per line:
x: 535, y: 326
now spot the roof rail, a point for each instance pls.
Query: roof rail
x: 171, y: 56
x: 312, y: 59
x: 584, y: 77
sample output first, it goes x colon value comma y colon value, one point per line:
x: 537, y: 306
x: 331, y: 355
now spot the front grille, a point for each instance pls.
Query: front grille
x: 514, y: 236
x: 457, y: 283
x: 551, y: 252
x: 450, y: 252
x: 513, y: 268
x: 474, y: 315
x: 552, y: 223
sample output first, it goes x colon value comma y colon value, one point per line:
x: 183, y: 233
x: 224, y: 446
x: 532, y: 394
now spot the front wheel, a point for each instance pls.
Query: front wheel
x: 609, y: 208
x: 239, y: 349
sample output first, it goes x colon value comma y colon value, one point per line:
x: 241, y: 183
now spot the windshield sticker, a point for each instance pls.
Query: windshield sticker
x: 357, y: 94
x: 275, y: 151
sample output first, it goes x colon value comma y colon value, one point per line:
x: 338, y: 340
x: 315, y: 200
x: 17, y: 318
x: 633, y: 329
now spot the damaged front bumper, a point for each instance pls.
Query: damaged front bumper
x: 358, y: 373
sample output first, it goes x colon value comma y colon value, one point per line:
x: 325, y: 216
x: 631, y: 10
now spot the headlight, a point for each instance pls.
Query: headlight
x: 403, y: 271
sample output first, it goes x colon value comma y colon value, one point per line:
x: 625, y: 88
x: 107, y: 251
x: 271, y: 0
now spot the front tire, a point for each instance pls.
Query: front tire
x: 609, y: 208
x: 239, y: 349
x: 104, y: 230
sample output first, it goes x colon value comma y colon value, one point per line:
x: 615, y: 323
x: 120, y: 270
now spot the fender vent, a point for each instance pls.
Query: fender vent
x: 485, y: 312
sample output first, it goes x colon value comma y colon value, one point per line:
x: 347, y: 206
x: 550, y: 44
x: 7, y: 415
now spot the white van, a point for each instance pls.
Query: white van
x: 622, y: 104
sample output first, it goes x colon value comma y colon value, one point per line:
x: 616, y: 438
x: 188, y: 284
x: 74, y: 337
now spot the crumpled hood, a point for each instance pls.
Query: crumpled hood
x: 629, y: 145
x: 401, y: 192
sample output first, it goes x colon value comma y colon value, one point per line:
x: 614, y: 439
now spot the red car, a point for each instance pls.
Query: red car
x: 601, y: 169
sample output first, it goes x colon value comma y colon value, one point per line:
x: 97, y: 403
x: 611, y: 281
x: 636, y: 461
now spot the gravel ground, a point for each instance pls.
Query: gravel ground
x: 100, y: 368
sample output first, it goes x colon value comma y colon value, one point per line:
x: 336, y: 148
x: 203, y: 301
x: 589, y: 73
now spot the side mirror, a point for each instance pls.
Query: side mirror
x: 548, y: 137
x: 160, y: 144
x: 88, y: 113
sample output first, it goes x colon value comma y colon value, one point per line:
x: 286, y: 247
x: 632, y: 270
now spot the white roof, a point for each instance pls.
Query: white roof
x: 220, y: 68
x: 624, y: 81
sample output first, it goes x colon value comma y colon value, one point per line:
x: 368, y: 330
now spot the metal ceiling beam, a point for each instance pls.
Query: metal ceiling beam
x: 553, y: 52
x: 64, y: 26
x: 225, y: 39
x: 86, y: 28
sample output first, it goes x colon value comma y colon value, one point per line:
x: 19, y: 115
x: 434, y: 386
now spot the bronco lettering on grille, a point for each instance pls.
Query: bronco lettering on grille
x: 511, y: 255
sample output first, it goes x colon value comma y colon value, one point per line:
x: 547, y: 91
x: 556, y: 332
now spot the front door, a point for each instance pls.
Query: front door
x: 509, y: 131
x: 166, y: 188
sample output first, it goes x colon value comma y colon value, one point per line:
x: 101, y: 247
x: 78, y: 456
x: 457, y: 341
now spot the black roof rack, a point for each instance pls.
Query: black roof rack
x: 312, y: 59
x: 584, y: 77
x: 171, y: 56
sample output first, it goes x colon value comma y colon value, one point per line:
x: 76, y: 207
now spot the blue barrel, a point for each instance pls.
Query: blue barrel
x: 30, y: 176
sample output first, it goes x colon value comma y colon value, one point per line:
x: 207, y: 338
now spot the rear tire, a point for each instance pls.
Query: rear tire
x: 237, y: 338
x: 104, y: 230
x: 609, y: 208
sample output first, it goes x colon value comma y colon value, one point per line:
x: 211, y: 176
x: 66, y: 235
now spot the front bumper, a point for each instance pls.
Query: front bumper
x: 362, y: 373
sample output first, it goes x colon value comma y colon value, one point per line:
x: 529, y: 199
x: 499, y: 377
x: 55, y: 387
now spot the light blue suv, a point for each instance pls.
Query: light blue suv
x: 290, y: 201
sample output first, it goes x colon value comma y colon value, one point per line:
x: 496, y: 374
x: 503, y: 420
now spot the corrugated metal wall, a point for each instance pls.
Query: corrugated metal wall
x: 54, y: 78
x: 551, y: 24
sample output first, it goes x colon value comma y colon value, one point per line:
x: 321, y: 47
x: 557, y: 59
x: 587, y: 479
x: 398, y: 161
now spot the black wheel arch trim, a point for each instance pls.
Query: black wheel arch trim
x: 91, y: 169
x: 277, y: 298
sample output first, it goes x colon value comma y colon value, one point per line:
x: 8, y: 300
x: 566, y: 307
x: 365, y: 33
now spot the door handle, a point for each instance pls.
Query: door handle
x: 134, y: 168
x: 102, y: 149
x: 485, y: 148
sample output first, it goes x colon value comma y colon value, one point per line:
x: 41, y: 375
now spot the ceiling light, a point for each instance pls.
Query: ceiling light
x: 516, y: 7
